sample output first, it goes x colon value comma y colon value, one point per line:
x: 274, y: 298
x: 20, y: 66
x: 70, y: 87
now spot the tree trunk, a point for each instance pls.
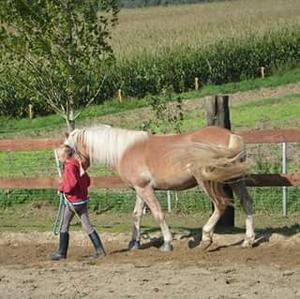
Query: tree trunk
x: 217, y: 114
x: 70, y: 124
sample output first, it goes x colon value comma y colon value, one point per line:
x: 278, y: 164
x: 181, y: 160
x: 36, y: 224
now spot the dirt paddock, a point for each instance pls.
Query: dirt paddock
x: 269, y: 270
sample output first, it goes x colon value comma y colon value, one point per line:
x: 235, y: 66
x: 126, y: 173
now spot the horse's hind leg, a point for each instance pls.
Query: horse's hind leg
x: 136, y: 230
x: 216, y: 194
x: 220, y: 201
x: 208, y: 228
x: 240, y: 189
x: 147, y: 194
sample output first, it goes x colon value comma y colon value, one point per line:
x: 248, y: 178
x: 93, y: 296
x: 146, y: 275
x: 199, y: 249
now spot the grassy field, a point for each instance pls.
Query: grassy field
x: 158, y: 29
x: 269, y: 113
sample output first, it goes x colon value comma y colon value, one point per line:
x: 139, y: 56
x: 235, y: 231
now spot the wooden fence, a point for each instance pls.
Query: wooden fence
x: 114, y: 182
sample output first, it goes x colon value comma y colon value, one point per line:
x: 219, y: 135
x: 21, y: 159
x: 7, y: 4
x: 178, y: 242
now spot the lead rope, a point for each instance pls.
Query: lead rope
x: 57, y: 223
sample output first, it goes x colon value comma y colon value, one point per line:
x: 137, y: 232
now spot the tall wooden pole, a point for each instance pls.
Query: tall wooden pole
x: 217, y: 114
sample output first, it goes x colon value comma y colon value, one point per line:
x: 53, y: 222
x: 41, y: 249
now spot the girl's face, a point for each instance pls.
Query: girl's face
x: 62, y: 157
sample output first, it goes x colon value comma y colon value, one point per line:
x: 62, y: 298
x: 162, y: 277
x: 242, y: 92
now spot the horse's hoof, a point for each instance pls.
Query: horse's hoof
x: 134, y: 245
x: 248, y: 243
x: 166, y: 247
x: 204, y: 245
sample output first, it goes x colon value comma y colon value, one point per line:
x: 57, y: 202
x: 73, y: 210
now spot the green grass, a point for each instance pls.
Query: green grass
x: 37, y: 163
x: 44, y: 126
x: 38, y: 216
x: 266, y: 200
x: 269, y: 113
x: 274, y: 111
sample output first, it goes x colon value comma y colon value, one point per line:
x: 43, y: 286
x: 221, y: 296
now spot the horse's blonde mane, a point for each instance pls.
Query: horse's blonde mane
x: 106, y: 144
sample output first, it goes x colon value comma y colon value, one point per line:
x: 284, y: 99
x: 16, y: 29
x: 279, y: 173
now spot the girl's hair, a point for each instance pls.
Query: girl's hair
x: 67, y: 150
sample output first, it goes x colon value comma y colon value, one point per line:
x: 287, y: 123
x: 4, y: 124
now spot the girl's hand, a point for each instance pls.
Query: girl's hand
x: 82, y: 171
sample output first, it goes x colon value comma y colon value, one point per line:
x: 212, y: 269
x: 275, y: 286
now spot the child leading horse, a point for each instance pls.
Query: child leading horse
x: 209, y: 158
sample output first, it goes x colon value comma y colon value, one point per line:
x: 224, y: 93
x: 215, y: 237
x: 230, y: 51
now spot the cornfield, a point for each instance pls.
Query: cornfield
x: 228, y: 60
x: 156, y: 30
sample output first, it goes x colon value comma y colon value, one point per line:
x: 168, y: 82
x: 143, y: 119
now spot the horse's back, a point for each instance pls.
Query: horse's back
x: 212, y: 135
x: 153, y: 161
x: 208, y: 135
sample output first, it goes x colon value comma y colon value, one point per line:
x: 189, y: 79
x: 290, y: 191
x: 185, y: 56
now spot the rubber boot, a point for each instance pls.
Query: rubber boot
x: 99, y: 250
x: 61, y: 253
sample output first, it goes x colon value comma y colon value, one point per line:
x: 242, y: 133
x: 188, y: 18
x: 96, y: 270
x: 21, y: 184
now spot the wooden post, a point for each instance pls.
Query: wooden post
x: 196, y: 83
x: 218, y: 114
x: 30, y: 111
x: 120, y: 95
x: 262, y: 72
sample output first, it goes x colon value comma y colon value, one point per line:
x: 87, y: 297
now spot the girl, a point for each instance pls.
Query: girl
x: 75, y: 185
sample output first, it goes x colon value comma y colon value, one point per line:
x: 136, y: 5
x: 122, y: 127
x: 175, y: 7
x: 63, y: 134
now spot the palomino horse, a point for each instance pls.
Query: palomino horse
x: 208, y: 157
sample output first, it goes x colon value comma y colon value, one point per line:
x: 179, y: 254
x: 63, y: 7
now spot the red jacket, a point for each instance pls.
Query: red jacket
x: 74, y: 186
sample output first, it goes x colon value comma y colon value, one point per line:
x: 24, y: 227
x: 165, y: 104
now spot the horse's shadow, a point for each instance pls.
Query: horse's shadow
x: 195, y: 236
x: 262, y: 235
x: 147, y: 240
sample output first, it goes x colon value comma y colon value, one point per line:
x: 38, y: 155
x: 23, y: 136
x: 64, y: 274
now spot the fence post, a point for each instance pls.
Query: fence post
x: 217, y: 114
x: 262, y: 72
x: 196, y: 83
x: 284, y: 171
x: 120, y: 96
x: 169, y: 201
x: 30, y: 111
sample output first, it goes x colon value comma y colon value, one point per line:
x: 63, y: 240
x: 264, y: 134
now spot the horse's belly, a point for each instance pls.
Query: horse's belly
x: 181, y: 181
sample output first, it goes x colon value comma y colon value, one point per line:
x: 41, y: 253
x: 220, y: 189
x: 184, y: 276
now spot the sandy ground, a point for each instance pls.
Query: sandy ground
x: 269, y: 270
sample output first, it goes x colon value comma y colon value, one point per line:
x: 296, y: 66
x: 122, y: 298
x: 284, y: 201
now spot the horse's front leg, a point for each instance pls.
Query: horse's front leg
x: 147, y: 194
x: 242, y: 193
x: 136, y: 230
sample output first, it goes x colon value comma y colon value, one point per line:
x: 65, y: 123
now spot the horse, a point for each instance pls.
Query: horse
x: 209, y: 157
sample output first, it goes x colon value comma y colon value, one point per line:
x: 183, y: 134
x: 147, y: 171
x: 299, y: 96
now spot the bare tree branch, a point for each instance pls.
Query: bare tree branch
x: 92, y: 99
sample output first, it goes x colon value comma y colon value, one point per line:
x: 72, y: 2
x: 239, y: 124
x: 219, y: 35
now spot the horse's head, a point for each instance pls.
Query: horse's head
x: 75, y: 140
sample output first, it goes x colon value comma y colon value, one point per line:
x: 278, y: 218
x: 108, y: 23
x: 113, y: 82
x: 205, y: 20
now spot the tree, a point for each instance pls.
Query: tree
x: 57, y: 50
x: 167, y: 115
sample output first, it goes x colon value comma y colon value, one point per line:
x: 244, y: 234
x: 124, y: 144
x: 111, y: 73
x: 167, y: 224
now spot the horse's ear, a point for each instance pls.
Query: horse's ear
x: 67, y: 135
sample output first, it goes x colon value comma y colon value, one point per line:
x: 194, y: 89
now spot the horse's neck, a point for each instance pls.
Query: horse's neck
x: 107, y: 146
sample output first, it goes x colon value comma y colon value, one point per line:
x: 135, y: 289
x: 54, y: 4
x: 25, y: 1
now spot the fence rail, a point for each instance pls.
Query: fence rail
x: 271, y: 136
x: 115, y: 182
x: 109, y: 182
x: 250, y: 137
x: 25, y: 145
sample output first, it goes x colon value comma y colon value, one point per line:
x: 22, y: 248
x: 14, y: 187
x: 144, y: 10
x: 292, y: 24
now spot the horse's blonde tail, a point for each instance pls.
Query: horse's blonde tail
x: 226, y: 164
x: 209, y: 162
x: 217, y: 194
